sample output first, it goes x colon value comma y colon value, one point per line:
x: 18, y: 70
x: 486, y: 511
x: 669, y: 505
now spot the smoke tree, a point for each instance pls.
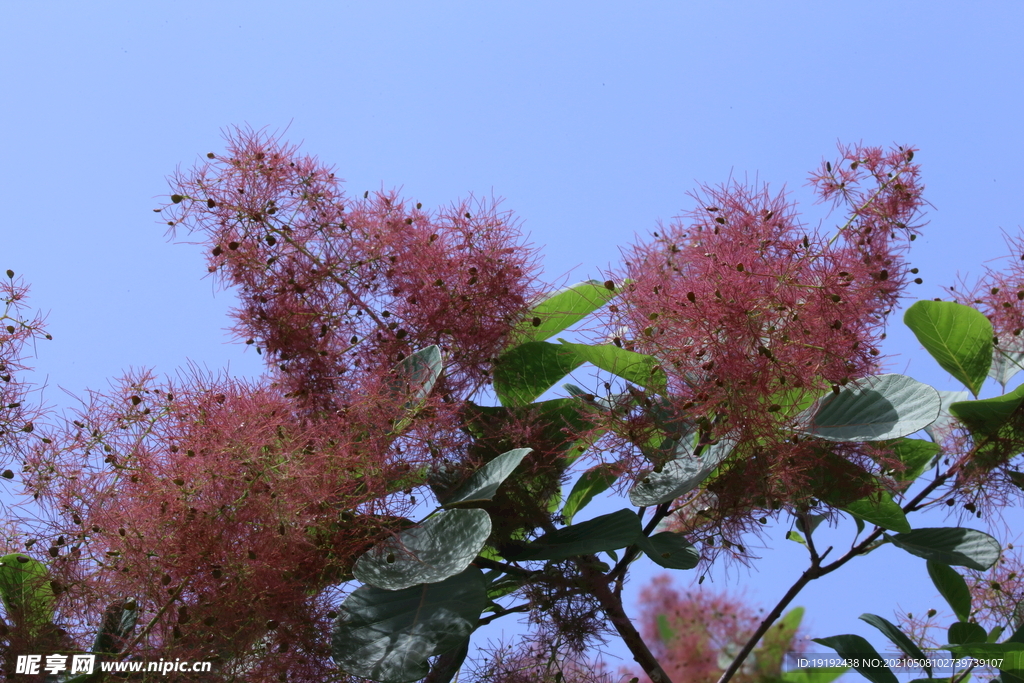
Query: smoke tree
x: 398, y: 478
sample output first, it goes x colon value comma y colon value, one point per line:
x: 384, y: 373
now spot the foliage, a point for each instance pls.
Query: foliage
x: 739, y: 381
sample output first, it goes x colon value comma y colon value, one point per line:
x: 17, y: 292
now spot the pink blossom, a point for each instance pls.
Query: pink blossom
x: 329, y: 283
x: 694, y: 634
x: 753, y: 313
x: 225, y: 516
x: 18, y: 413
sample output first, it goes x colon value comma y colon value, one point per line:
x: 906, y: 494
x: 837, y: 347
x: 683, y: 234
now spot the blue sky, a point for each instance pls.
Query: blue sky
x: 591, y: 119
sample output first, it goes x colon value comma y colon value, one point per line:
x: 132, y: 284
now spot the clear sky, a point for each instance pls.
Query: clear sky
x: 592, y: 119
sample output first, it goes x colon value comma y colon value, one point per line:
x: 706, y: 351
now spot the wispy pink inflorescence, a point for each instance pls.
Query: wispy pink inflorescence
x: 330, y: 283
x: 999, y: 294
x: 220, y: 512
x: 17, y: 413
x: 751, y: 312
x: 696, y: 634
x: 998, y: 594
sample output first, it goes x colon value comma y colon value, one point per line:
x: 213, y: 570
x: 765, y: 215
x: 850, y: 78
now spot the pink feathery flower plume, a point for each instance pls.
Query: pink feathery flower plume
x: 221, y: 512
x: 752, y: 313
x: 330, y: 283
x: 17, y: 413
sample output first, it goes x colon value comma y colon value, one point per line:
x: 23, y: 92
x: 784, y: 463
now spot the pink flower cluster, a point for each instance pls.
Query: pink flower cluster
x: 752, y: 313
x: 330, y: 283
x: 17, y: 413
x: 219, y: 511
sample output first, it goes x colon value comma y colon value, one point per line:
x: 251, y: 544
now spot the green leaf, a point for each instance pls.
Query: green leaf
x: 637, y: 368
x: 872, y: 409
x: 825, y: 674
x: 965, y: 633
x: 484, y: 483
x: 881, y: 510
x: 524, y: 372
x: 957, y: 336
x: 118, y: 623
x: 1007, y: 359
x: 607, y: 532
x: 952, y: 546
x: 592, y: 482
x: 1012, y: 654
x: 952, y: 588
x: 796, y: 537
x: 856, y: 648
x: 670, y: 550
x: 388, y: 636
x: 945, y: 422
x: 26, y: 591
x: 681, y: 475
x: 665, y: 632
x: 443, y: 545
x: 562, y: 310
x: 898, y: 638
x: 414, y: 377
x: 917, y: 455
x: 988, y: 416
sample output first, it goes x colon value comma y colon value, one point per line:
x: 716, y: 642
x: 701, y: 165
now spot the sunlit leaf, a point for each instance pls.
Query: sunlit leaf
x: 637, y: 368
x: 594, y: 481
x: 881, y: 510
x: 957, y: 336
x: 563, y: 309
x: 524, y: 372
x: 26, y: 591
x: 945, y: 421
x: 872, y: 409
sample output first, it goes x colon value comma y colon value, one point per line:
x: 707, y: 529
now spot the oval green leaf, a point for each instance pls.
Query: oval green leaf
x: 857, y: 649
x: 681, y: 475
x: 965, y: 633
x: 670, y: 549
x: 26, y: 591
x: 524, y: 372
x: 388, y: 636
x: 881, y: 510
x: 952, y: 546
x: 945, y: 422
x: 1007, y: 360
x: 957, y: 336
x: 484, y: 483
x: 898, y: 638
x: 442, y: 546
x: 563, y: 309
x: 1011, y: 653
x: 592, y: 482
x: 917, y: 455
x: 638, y: 368
x: 952, y: 588
x: 872, y: 409
x: 988, y: 416
x: 607, y: 532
